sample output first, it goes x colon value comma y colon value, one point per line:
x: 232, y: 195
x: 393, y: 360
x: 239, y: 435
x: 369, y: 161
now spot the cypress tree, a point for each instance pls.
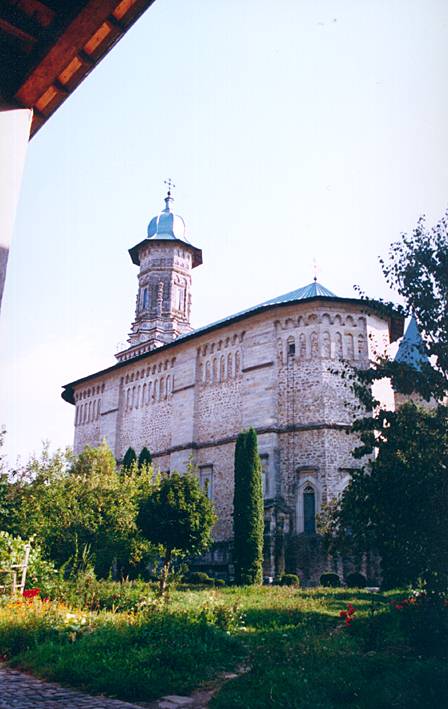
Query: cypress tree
x: 248, y: 512
x: 130, y: 458
x: 145, y: 458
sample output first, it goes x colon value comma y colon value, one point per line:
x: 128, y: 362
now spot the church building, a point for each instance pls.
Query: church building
x: 187, y: 393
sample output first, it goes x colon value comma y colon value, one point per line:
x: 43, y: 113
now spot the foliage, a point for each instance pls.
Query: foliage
x: 178, y: 517
x: 423, y: 620
x: 40, y: 572
x: 199, y: 577
x: 356, y: 580
x: 73, y: 503
x: 418, y: 270
x: 129, y: 459
x: 330, y: 580
x: 248, y: 511
x: 397, y: 505
x: 297, y: 649
x: 144, y: 459
x: 138, y: 656
x: 289, y: 580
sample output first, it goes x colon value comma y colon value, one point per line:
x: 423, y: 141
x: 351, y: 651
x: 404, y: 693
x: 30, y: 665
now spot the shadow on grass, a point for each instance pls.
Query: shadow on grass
x: 165, y: 655
x: 302, y: 659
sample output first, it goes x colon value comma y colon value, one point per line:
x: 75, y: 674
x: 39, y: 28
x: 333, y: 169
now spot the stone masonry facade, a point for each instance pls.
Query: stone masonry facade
x: 276, y: 371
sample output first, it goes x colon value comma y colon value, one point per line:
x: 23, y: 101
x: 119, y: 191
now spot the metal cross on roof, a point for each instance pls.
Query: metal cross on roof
x: 170, y: 184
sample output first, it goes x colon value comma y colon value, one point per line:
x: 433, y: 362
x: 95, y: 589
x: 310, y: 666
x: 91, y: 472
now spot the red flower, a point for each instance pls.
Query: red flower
x: 348, y: 620
x: 351, y: 609
x: 31, y: 592
x: 398, y: 607
x: 342, y: 614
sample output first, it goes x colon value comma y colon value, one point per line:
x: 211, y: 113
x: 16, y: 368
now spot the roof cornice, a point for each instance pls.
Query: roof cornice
x: 396, y: 326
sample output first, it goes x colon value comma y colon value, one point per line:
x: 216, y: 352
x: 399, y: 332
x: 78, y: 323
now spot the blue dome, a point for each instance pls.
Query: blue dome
x: 167, y: 225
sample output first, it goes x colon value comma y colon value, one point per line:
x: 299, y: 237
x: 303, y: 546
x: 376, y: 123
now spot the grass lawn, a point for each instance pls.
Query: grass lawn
x: 297, y: 650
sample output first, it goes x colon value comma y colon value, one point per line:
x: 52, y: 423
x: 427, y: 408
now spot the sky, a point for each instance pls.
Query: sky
x: 296, y: 132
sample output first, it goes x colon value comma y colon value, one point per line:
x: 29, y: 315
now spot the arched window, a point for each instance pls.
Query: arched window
x: 237, y: 363
x: 229, y: 366
x: 338, y: 345
x: 222, y: 366
x: 349, y: 346
x: 309, y: 510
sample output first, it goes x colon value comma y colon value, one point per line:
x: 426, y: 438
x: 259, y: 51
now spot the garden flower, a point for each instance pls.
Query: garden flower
x: 31, y: 592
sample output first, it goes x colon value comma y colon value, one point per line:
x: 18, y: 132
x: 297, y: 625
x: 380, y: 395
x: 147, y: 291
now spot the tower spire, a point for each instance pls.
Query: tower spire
x: 168, y: 199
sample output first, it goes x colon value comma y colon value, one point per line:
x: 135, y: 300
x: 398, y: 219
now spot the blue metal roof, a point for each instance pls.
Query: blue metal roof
x: 312, y: 290
x: 410, y: 350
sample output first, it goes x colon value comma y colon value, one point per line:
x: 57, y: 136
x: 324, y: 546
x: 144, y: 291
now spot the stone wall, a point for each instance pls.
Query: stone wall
x: 278, y: 371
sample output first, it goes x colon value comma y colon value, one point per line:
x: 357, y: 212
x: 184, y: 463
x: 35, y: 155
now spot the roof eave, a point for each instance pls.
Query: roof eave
x: 68, y: 393
x: 134, y: 252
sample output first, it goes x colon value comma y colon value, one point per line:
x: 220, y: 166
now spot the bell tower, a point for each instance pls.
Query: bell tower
x: 163, y: 305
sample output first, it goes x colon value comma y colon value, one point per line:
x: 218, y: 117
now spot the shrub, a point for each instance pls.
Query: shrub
x: 40, y: 572
x: 219, y: 582
x: 289, y: 580
x: 423, y: 620
x: 198, y: 577
x: 129, y: 459
x: 248, y: 511
x: 220, y: 615
x: 330, y: 580
x: 356, y: 580
x: 178, y: 517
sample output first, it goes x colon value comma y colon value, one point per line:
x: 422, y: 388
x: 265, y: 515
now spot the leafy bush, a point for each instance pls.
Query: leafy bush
x: 84, y: 590
x: 178, y: 517
x: 423, y: 620
x: 223, y: 616
x: 330, y: 580
x: 200, y: 578
x: 356, y: 580
x: 289, y: 580
x: 71, y: 503
x: 40, y: 572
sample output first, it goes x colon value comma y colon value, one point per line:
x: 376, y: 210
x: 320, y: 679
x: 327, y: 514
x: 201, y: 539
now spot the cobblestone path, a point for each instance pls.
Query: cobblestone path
x: 22, y: 691
x: 19, y: 690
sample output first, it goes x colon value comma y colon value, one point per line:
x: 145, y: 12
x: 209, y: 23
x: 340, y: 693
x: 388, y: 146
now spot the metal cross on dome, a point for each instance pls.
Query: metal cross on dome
x: 170, y: 184
x: 315, y: 270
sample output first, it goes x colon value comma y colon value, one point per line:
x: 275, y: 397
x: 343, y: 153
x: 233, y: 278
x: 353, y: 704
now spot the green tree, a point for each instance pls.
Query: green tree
x: 248, y: 511
x: 398, y: 503
x: 178, y: 517
x: 72, y: 503
x: 130, y: 459
x: 144, y: 459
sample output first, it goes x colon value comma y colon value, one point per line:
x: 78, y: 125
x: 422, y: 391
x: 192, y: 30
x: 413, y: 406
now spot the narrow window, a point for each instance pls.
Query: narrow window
x: 264, y: 458
x: 309, y: 510
x: 206, y: 480
x: 145, y: 298
x: 291, y: 347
